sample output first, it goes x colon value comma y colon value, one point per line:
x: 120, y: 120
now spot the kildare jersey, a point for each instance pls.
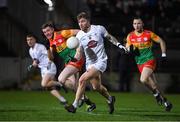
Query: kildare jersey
x: 59, y: 41
x: 144, y: 43
x: 92, y: 43
x: 39, y: 52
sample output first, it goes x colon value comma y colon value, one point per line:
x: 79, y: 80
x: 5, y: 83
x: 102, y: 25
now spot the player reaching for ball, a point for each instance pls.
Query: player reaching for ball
x: 73, y: 64
x: 72, y: 42
x: 92, y: 45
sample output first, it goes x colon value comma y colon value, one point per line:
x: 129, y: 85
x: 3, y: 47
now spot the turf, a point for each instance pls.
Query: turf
x: 41, y: 106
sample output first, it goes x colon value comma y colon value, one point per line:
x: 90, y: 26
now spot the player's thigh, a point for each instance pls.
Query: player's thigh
x: 145, y: 74
x: 48, y: 77
x: 67, y: 72
x: 89, y: 74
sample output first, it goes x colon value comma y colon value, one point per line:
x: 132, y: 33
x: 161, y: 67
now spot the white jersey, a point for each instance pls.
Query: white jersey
x: 39, y: 53
x: 92, y: 43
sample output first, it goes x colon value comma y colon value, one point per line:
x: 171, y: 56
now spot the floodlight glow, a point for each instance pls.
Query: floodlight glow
x: 49, y: 2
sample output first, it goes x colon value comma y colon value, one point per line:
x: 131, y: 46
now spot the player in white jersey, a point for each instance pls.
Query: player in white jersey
x: 39, y: 55
x: 92, y: 45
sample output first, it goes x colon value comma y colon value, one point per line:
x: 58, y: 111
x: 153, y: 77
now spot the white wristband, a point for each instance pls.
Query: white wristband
x: 118, y: 44
x: 163, y: 55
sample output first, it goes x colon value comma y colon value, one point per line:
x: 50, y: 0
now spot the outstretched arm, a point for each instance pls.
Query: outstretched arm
x: 114, y: 41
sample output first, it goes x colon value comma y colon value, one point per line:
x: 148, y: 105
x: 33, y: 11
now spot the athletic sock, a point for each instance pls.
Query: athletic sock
x: 156, y: 93
x: 75, y: 103
x: 62, y: 99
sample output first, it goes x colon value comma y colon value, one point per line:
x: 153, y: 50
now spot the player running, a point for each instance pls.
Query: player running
x: 38, y: 53
x: 140, y: 43
x: 70, y: 74
x: 92, y: 45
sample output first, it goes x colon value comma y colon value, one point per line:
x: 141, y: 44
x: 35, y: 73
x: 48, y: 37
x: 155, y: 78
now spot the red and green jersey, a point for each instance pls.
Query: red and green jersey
x: 144, y: 43
x: 59, y: 40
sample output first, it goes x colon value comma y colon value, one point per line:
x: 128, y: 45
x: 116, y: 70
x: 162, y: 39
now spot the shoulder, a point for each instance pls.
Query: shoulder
x: 148, y: 31
x: 79, y: 34
x: 131, y: 34
x: 39, y: 46
x: 98, y: 26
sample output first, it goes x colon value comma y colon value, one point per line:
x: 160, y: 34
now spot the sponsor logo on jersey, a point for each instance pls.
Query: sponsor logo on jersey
x: 145, y: 39
x: 92, y: 44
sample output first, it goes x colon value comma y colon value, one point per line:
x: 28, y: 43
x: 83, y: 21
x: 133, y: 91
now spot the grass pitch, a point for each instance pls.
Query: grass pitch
x: 41, y: 106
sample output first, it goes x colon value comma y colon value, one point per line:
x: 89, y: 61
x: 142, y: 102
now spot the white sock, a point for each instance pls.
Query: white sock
x: 75, y: 103
x: 62, y: 99
x: 156, y: 94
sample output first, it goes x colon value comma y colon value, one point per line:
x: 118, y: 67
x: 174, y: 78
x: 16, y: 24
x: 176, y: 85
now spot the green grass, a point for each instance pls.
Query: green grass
x: 41, y: 106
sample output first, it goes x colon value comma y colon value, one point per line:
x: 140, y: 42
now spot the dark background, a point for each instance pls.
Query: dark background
x: 19, y: 17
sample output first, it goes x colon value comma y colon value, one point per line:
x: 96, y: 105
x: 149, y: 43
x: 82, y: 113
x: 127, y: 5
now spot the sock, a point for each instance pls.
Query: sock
x: 156, y: 93
x: 109, y: 99
x: 75, y: 103
x: 62, y: 99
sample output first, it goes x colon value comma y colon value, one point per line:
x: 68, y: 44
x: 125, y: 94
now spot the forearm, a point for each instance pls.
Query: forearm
x: 50, y: 55
x: 78, y: 54
x: 112, y: 39
x: 163, y: 47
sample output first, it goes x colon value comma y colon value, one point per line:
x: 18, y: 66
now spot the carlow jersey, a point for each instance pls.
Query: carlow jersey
x: 59, y: 40
x: 92, y: 43
x: 144, y: 43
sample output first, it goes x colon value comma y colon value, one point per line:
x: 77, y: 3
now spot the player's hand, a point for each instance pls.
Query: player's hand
x: 163, y: 60
x: 123, y: 49
x: 134, y: 51
x: 29, y: 68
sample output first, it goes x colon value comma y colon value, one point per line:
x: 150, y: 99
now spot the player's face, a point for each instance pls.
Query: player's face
x: 48, y: 32
x: 84, y: 24
x: 31, y: 41
x: 138, y: 25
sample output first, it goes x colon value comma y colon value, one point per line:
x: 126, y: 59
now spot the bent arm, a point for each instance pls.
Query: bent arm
x: 79, y: 53
x: 162, y: 46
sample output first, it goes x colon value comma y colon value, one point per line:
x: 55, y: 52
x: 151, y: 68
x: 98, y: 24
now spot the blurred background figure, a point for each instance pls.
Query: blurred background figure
x: 125, y: 72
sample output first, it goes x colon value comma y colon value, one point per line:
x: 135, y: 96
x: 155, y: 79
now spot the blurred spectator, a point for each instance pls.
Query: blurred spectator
x: 125, y: 73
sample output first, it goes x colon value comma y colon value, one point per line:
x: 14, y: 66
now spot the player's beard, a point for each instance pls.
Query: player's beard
x: 85, y: 28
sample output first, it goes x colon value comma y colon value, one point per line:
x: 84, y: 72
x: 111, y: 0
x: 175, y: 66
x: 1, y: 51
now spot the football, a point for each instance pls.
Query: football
x: 72, y: 42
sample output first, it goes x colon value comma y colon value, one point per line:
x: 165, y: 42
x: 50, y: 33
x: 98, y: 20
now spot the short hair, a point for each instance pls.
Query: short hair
x: 83, y: 15
x: 48, y: 24
x: 31, y: 35
x: 138, y: 17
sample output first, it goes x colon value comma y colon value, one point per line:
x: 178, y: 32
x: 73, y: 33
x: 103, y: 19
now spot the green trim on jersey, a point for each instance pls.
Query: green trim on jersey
x: 66, y: 53
x: 146, y: 54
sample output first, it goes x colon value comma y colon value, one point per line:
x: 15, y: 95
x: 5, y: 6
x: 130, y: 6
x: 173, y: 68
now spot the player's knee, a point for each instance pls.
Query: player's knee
x: 43, y: 84
x: 96, y: 87
x: 82, y: 83
x: 143, y: 80
x: 61, y: 80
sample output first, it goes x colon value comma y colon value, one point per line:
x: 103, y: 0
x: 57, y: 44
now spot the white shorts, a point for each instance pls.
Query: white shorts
x: 50, y: 69
x: 99, y: 65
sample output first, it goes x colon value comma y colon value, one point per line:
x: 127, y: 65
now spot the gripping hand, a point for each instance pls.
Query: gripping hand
x: 122, y: 48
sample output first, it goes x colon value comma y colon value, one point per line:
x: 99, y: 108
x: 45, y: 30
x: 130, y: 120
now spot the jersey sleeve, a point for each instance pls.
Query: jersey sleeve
x: 67, y: 33
x: 155, y: 37
x: 128, y: 42
x: 102, y: 30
